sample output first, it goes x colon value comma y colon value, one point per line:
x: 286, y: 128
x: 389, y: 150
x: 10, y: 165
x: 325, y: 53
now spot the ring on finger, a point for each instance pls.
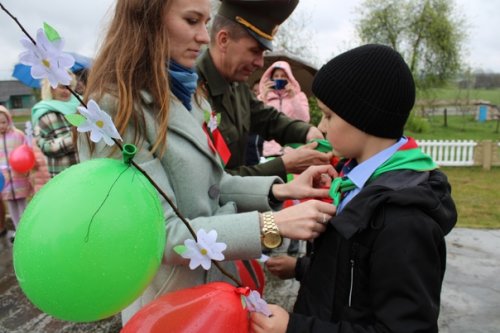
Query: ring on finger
x: 324, y: 219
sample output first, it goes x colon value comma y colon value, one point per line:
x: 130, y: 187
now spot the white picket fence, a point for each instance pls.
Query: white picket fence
x: 449, y: 152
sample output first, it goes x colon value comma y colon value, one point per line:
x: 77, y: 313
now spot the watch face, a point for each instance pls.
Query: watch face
x: 272, y: 240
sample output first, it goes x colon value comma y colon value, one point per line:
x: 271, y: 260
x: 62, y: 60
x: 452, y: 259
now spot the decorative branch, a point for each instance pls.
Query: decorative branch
x: 18, y: 23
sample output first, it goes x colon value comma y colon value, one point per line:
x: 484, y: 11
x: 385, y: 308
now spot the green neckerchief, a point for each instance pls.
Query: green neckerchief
x: 403, y: 159
x: 43, y: 107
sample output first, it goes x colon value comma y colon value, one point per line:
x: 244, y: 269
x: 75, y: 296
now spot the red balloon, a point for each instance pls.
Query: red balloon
x: 22, y: 159
x: 212, y: 307
x: 251, y: 274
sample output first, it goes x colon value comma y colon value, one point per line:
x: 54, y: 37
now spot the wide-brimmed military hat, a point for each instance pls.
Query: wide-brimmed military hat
x: 261, y: 18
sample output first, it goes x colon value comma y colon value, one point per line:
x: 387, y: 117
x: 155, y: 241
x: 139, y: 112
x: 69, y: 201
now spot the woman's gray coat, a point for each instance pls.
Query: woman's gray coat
x: 192, y: 176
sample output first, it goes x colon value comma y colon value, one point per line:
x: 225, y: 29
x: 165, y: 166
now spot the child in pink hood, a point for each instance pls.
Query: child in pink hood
x: 17, y: 186
x: 289, y: 99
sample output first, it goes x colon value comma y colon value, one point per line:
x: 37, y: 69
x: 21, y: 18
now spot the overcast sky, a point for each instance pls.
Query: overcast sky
x: 81, y: 24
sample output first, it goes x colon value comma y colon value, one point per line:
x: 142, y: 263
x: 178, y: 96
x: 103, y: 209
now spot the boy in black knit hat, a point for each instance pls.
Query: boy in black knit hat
x: 380, y: 263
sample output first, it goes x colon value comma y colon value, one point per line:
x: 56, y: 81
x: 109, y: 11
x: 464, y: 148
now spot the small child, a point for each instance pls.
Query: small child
x: 17, y: 185
x: 380, y: 264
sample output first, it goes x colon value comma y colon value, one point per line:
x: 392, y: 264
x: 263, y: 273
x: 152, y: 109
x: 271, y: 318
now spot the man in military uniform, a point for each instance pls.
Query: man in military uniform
x: 241, y: 31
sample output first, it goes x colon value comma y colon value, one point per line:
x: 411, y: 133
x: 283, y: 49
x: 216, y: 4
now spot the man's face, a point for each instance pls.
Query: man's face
x: 243, y: 57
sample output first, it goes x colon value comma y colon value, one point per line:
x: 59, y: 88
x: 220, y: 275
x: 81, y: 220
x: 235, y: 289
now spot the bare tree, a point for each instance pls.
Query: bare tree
x: 296, y: 38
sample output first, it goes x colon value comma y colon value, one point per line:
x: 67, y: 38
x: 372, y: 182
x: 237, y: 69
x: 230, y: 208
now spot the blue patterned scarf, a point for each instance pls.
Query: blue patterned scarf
x: 183, y: 82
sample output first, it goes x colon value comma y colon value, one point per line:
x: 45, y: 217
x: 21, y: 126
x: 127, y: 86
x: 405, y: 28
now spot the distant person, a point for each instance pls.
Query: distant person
x: 241, y: 31
x: 279, y: 88
x: 17, y: 186
x: 53, y: 133
x: 380, y: 264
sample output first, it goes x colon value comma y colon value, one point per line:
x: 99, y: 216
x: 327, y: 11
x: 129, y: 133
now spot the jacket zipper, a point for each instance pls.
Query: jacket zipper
x: 352, y: 282
x: 354, y: 248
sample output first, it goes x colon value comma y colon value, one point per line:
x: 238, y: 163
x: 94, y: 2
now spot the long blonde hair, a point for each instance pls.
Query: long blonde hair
x: 133, y: 58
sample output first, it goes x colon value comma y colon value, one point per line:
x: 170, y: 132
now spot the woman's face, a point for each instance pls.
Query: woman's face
x: 60, y: 93
x: 186, y: 23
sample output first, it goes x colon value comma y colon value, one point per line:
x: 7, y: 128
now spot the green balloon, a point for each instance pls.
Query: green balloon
x: 90, y: 241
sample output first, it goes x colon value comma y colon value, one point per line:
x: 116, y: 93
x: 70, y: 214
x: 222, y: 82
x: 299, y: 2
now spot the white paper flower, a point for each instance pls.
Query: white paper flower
x: 212, y: 123
x: 263, y: 258
x: 99, y: 123
x: 256, y: 304
x: 205, y: 250
x: 47, y: 59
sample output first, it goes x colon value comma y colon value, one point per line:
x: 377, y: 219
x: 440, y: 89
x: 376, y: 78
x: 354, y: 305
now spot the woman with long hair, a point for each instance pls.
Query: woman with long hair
x: 143, y: 77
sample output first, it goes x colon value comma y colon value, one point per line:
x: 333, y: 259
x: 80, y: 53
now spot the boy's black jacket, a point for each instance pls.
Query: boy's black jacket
x: 380, y: 264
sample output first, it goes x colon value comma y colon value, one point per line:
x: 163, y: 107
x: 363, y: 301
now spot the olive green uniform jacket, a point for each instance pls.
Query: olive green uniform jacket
x: 242, y: 113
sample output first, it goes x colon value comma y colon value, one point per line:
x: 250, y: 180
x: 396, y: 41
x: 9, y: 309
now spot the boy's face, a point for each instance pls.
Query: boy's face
x: 347, y: 140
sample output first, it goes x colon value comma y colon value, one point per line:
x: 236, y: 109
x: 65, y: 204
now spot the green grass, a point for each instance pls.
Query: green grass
x: 459, y: 128
x: 451, y: 93
x: 475, y: 192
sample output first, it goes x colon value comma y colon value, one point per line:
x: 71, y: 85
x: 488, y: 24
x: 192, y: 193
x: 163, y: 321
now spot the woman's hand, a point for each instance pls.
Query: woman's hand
x: 298, y: 160
x: 305, y: 221
x: 277, y: 323
x: 309, y: 184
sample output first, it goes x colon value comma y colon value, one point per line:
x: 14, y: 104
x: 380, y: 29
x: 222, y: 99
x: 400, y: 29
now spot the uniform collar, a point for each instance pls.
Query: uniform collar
x: 363, y: 171
x: 206, y: 69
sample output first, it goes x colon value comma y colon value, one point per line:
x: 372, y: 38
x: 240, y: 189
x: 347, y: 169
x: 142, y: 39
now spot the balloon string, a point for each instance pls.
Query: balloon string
x: 102, y: 203
x: 163, y: 194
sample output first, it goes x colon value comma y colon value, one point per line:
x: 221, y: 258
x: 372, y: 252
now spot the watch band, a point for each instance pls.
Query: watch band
x: 271, y: 237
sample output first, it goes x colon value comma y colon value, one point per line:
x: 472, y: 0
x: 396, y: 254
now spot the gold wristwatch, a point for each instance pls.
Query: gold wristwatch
x: 271, y: 237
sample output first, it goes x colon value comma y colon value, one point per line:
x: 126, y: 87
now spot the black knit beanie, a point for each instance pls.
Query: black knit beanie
x: 370, y: 87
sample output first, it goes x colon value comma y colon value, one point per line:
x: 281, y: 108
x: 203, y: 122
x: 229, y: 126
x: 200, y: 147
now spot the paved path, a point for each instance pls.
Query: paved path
x: 18, y: 315
x: 471, y: 291
x: 470, y: 298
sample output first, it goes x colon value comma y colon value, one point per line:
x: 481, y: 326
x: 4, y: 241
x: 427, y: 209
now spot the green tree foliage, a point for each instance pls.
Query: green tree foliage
x: 428, y: 33
x: 314, y: 111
